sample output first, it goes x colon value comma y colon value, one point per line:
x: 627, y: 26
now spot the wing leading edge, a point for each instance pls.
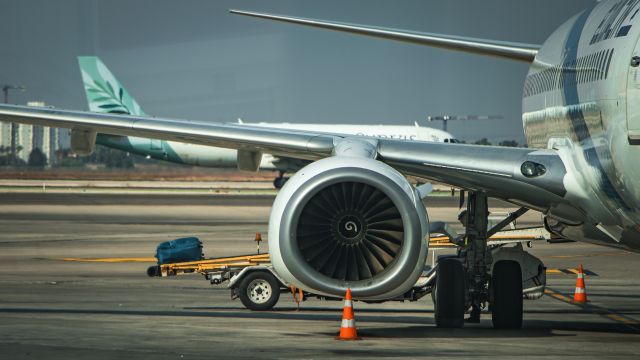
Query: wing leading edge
x: 502, y: 49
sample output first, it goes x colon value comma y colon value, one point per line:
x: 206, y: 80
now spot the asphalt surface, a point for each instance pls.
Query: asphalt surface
x: 54, y: 309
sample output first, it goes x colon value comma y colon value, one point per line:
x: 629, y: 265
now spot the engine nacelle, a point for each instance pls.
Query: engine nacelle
x: 345, y: 222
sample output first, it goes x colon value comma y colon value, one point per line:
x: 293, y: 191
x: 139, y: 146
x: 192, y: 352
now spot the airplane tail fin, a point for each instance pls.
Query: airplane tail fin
x: 105, y: 94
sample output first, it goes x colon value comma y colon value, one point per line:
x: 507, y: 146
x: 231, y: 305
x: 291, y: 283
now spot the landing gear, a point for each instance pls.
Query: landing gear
x: 279, y: 182
x: 469, y: 283
x: 449, y: 294
x: 477, y: 256
x: 506, y: 295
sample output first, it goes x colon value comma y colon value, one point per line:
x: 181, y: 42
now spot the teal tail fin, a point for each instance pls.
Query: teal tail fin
x: 105, y: 94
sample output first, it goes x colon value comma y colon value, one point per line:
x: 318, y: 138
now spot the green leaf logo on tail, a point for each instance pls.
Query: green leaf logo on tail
x: 104, y: 92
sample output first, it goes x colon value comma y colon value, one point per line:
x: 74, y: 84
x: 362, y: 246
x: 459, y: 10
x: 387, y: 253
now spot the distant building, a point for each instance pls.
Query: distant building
x: 41, y: 139
x: 5, y: 134
x: 63, y: 138
x: 24, y: 140
x: 28, y: 137
x: 54, y: 145
x: 34, y: 136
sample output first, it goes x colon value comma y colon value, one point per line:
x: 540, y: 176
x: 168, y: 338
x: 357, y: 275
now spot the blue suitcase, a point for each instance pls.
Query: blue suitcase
x: 179, y: 250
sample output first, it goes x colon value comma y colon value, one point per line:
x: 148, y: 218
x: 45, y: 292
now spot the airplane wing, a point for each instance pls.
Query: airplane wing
x: 513, y: 174
x: 503, y: 49
x: 233, y: 136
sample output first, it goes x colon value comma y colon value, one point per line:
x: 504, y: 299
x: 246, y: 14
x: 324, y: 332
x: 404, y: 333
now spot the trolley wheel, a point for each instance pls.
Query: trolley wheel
x: 450, y: 294
x: 259, y: 290
x: 506, y: 291
x: 153, y: 271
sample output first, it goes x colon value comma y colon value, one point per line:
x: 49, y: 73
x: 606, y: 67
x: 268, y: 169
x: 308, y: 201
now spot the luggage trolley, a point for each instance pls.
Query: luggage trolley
x: 253, y: 280
x: 251, y: 277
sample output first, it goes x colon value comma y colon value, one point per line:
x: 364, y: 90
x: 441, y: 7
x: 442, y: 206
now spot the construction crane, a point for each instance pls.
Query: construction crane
x: 446, y: 118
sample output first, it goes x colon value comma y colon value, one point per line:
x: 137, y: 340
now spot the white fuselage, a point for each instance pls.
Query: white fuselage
x: 219, y: 157
x: 582, y: 98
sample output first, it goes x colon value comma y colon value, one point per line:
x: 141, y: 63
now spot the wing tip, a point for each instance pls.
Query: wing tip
x: 239, y: 12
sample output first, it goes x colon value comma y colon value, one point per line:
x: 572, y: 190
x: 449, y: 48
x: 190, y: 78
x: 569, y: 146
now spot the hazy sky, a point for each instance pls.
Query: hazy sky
x: 191, y: 59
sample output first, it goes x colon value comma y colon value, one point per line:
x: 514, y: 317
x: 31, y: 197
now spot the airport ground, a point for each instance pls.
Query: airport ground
x: 54, y: 309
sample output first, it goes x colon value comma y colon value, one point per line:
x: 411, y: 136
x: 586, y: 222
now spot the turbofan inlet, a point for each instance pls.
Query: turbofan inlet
x: 337, y: 224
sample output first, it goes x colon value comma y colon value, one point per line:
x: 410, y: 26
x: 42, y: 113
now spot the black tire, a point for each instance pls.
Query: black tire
x: 259, y: 290
x: 450, y: 294
x: 153, y: 271
x: 506, y: 295
x: 277, y: 183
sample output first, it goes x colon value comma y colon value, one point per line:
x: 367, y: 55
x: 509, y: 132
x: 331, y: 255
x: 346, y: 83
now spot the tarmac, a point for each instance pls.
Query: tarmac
x: 55, y: 309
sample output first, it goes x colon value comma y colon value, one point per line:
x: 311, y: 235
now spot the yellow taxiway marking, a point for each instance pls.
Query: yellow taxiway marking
x: 621, y: 319
x: 153, y: 260
x: 113, y: 260
x: 613, y: 253
x: 596, y: 310
x: 435, y: 242
x: 558, y: 296
x: 572, y: 271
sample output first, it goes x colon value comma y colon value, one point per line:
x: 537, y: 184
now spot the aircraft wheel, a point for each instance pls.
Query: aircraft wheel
x: 506, y: 294
x: 279, y: 182
x: 259, y: 290
x: 449, y: 294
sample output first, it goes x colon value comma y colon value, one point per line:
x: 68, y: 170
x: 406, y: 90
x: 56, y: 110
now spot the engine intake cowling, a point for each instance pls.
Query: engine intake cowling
x: 349, y: 222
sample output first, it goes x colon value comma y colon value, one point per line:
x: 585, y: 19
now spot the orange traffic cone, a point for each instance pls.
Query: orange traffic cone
x: 348, y: 327
x: 258, y: 239
x: 580, y: 295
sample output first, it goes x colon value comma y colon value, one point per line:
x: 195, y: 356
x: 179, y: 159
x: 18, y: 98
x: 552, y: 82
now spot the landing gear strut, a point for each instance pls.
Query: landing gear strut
x: 467, y: 282
x: 477, y: 255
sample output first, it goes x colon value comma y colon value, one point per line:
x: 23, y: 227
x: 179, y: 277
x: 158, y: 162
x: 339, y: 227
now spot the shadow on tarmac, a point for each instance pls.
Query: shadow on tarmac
x: 334, y: 310
x: 480, y: 331
x: 580, y: 311
x: 624, y: 296
x: 426, y: 327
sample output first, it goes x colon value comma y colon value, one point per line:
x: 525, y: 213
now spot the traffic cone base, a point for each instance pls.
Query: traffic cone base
x: 580, y: 295
x: 348, y: 325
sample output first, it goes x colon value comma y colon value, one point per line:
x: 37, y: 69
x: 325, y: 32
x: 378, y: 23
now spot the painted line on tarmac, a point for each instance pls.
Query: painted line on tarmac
x: 112, y: 260
x: 124, y: 191
x: 614, y: 253
x: 570, y: 271
x: 154, y: 260
x: 594, y: 309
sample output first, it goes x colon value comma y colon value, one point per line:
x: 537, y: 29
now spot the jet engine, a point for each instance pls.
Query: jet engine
x: 349, y: 222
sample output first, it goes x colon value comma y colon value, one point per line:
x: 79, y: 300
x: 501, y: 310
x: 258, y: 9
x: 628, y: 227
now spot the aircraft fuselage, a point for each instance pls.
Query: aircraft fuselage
x: 582, y: 98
